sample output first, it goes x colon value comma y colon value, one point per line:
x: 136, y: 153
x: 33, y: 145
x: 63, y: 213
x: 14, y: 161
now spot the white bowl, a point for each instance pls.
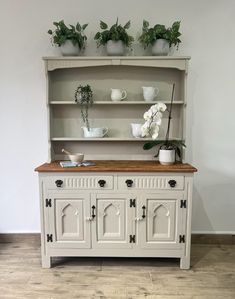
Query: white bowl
x: 78, y: 157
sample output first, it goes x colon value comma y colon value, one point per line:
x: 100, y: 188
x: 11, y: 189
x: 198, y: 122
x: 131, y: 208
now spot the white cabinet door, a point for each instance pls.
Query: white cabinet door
x: 69, y: 220
x: 113, y: 222
x: 160, y: 224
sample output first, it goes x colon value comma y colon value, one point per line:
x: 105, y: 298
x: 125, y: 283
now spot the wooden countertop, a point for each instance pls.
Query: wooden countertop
x: 119, y: 166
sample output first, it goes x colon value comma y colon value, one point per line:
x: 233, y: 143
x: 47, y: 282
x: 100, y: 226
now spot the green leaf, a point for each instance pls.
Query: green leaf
x: 97, y: 36
x: 145, y: 24
x: 49, y: 31
x: 78, y: 27
x: 157, y: 154
x: 176, y: 26
x: 84, y: 26
x: 178, y: 152
x: 149, y: 145
x: 103, y: 25
x: 127, y: 26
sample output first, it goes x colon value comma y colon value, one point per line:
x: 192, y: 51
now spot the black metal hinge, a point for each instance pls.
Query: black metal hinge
x: 181, y: 238
x: 132, y: 203
x: 48, y: 202
x: 49, y: 238
x: 132, y: 238
x: 183, y: 203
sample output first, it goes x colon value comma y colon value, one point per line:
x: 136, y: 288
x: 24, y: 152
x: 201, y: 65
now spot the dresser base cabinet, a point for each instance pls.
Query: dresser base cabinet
x: 116, y: 215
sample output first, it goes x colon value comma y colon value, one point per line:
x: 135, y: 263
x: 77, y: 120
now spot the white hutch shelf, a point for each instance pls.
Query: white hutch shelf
x: 65, y: 74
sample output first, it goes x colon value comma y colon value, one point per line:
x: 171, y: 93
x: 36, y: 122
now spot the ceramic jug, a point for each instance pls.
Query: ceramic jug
x: 150, y: 93
x: 118, y: 94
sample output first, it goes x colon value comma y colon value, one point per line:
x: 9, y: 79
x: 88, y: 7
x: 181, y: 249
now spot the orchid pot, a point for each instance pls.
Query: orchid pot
x: 166, y: 156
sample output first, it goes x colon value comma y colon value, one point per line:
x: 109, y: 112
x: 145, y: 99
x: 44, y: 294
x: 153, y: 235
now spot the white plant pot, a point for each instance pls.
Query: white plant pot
x: 115, y: 48
x: 94, y: 132
x: 69, y: 49
x: 166, y: 157
x: 161, y: 47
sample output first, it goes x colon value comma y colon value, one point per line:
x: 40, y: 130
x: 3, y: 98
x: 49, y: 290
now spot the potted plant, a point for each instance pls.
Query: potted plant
x: 115, y: 39
x: 168, y: 150
x: 160, y: 37
x: 71, y: 40
x: 83, y: 96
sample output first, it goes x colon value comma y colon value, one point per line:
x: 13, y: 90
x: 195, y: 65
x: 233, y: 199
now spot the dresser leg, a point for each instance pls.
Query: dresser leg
x: 185, y: 263
x: 46, y: 261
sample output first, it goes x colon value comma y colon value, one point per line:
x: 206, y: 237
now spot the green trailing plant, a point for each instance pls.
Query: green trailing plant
x: 167, y: 144
x: 62, y: 33
x: 151, y: 34
x: 83, y: 96
x: 115, y: 33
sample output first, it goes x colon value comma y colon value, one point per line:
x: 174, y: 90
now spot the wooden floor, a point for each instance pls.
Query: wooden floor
x: 212, y: 275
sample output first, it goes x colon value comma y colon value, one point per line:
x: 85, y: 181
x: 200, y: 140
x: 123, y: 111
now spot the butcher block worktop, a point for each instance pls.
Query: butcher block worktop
x: 119, y: 166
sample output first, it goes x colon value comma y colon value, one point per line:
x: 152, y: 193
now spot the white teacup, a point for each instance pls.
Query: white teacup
x: 118, y: 94
x: 136, y: 130
x: 94, y: 132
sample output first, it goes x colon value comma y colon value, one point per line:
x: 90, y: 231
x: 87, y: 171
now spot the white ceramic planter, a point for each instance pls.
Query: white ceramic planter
x: 68, y: 49
x: 94, y: 132
x: 166, y: 157
x: 115, y: 48
x: 161, y: 47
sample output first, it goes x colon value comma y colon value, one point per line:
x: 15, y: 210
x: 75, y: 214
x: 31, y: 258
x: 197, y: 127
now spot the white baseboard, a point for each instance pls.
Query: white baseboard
x: 194, y: 232
x: 206, y: 232
x: 20, y: 232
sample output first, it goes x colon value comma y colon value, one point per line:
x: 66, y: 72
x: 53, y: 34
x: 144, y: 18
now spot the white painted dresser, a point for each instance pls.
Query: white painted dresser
x: 116, y: 209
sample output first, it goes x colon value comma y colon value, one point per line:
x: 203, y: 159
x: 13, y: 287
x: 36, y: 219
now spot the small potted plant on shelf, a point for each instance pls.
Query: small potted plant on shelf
x: 115, y: 39
x: 84, y: 97
x: 160, y: 38
x: 167, y: 149
x: 71, y: 40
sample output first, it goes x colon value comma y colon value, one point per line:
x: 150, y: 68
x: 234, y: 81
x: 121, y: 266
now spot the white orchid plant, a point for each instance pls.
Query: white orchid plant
x: 153, y: 120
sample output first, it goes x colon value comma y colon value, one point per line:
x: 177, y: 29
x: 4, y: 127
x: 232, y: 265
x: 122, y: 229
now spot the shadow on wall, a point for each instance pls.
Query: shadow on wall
x: 213, y: 202
x: 199, y: 214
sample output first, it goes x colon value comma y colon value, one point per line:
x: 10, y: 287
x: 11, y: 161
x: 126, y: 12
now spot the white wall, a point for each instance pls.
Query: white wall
x: 208, y: 36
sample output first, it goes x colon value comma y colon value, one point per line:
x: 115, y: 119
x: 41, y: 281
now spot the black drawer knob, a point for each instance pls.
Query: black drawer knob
x: 59, y: 183
x: 129, y: 183
x: 172, y: 183
x: 102, y: 183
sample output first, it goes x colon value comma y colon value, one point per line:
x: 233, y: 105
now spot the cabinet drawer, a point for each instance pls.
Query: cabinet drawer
x: 151, y: 182
x: 80, y: 182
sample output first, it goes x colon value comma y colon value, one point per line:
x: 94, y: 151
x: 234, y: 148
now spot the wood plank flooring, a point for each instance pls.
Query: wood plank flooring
x: 21, y: 277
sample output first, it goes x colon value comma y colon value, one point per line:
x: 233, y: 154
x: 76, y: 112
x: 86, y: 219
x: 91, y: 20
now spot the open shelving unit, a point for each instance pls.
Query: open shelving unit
x: 64, y: 74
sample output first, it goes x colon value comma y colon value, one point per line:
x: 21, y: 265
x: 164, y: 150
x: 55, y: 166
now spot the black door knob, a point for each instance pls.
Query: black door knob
x: 102, y: 183
x: 59, y: 183
x: 129, y: 183
x: 172, y: 183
